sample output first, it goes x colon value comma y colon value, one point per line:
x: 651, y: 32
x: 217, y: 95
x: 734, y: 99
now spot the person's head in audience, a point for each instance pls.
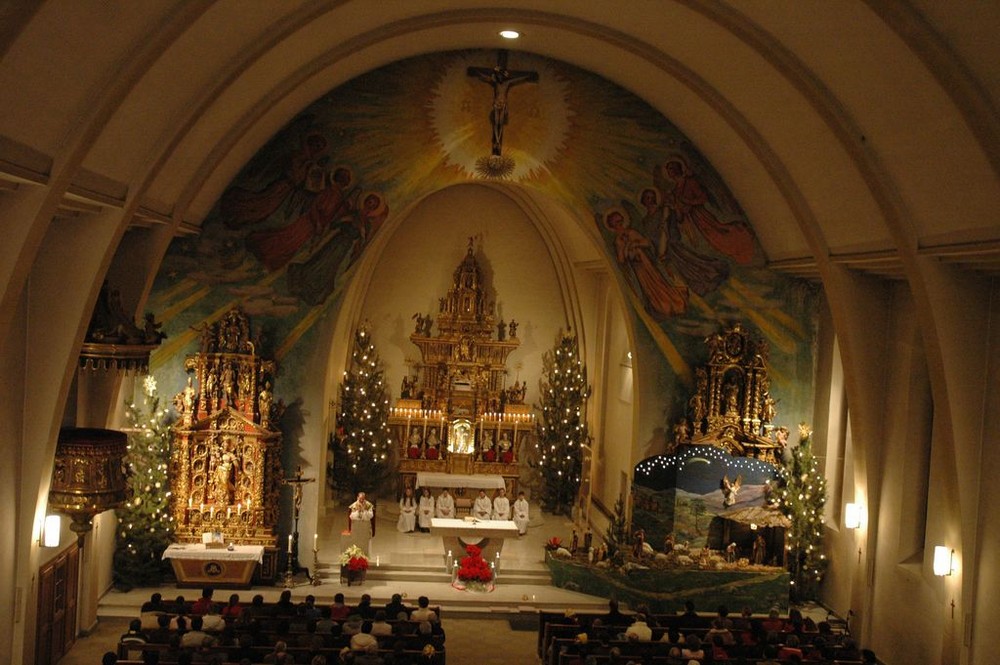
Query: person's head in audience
x: 423, y: 601
x: 135, y: 625
x: 868, y: 656
x: 689, y: 607
x: 180, y: 605
x: 150, y: 657
x: 318, y: 659
x: 207, y: 592
x: 792, y: 641
x: 182, y: 624
x: 722, y: 611
x: 156, y: 600
x: 286, y: 597
x: 234, y: 599
x: 338, y: 599
x: 197, y: 622
x: 613, y: 605
x: 163, y: 620
x: 109, y: 658
x: 692, y: 642
x: 380, y: 616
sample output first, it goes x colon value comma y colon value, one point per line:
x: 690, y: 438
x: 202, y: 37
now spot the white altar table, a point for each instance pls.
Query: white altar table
x: 459, y: 480
x: 197, y: 565
x: 487, y: 534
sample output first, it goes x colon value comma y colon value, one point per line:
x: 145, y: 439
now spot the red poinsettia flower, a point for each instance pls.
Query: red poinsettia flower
x: 554, y: 543
x: 357, y: 563
x: 474, y: 568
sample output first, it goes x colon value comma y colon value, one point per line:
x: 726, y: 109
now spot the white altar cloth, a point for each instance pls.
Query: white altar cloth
x: 479, y: 481
x: 487, y: 534
x: 200, y: 552
x: 441, y: 526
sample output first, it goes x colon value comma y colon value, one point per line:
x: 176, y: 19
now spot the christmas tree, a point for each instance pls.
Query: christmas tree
x: 562, y: 429
x: 362, y: 449
x: 145, y: 526
x: 801, y: 496
x: 616, y: 537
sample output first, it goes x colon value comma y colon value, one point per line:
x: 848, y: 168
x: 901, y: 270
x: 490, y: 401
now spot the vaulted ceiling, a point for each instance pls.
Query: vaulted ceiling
x: 864, y: 134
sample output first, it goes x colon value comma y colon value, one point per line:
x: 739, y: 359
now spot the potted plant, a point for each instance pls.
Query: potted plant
x: 474, y: 573
x: 353, y: 565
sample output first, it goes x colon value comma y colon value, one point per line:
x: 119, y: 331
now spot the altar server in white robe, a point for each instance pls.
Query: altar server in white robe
x: 445, y: 505
x: 426, y: 509
x: 501, y: 506
x: 482, y: 509
x: 407, y: 512
x: 521, y: 514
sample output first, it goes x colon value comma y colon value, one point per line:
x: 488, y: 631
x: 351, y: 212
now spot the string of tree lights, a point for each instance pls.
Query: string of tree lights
x: 145, y: 526
x: 363, y: 440
x: 801, y: 495
x: 562, y: 429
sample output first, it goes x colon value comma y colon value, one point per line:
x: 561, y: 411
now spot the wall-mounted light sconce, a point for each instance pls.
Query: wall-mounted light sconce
x: 51, y: 531
x: 852, y: 515
x: 944, y: 560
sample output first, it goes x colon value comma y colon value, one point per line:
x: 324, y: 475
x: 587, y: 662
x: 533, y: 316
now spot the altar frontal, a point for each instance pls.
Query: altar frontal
x: 488, y: 535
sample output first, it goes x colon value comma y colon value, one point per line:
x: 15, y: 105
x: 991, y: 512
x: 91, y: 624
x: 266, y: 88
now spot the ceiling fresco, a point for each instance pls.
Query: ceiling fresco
x: 286, y: 236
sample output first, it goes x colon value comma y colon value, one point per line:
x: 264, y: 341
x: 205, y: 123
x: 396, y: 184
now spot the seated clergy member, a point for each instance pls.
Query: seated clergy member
x: 521, y: 514
x: 446, y: 505
x: 426, y: 510
x: 483, y: 508
x: 407, y: 512
x: 501, y: 506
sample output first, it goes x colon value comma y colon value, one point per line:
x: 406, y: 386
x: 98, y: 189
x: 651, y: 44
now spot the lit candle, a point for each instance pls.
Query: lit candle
x: 376, y: 561
x: 190, y: 503
x: 211, y: 512
x: 289, y: 543
x: 315, y: 542
x: 201, y: 508
x: 239, y: 508
x: 229, y: 512
x: 248, y: 504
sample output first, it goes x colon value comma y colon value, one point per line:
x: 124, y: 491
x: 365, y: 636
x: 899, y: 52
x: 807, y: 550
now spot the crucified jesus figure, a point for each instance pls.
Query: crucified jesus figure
x: 501, y: 80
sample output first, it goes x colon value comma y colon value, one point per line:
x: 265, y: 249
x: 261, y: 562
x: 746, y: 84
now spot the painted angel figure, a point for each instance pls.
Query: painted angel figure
x: 730, y: 489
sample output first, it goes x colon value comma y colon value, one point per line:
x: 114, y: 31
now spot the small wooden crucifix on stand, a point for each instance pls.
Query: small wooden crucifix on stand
x: 501, y: 80
x: 296, y: 484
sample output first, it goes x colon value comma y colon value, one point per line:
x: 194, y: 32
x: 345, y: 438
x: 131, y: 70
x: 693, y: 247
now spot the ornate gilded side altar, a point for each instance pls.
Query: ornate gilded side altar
x: 456, y: 413
x: 732, y: 407
x: 226, y: 452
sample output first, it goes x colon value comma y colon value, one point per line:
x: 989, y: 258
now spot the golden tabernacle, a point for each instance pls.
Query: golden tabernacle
x: 732, y: 407
x: 456, y: 413
x: 226, y: 452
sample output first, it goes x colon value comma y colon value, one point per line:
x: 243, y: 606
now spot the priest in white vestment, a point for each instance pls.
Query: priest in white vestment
x: 482, y: 509
x: 407, y: 512
x: 521, y: 514
x: 426, y: 510
x: 501, y: 506
x: 445, y: 505
x: 362, y: 516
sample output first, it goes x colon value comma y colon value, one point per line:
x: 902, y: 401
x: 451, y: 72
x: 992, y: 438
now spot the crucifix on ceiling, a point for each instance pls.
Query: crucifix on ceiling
x: 501, y: 79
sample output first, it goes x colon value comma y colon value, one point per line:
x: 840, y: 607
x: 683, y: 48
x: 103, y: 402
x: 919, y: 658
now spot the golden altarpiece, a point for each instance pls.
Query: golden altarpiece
x: 732, y: 407
x: 226, y: 453
x: 455, y: 413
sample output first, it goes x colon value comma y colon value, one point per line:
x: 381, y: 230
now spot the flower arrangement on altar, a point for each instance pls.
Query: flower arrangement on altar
x: 553, y: 543
x: 354, y: 558
x: 473, y: 571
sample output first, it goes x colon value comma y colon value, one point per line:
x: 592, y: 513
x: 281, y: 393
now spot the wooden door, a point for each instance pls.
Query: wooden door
x: 57, y: 600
